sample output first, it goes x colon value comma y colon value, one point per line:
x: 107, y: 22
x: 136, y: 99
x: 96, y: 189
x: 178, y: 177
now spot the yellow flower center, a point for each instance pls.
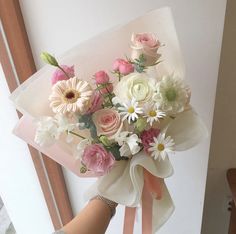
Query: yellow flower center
x: 131, y: 110
x: 160, y: 147
x: 152, y: 113
x: 70, y: 96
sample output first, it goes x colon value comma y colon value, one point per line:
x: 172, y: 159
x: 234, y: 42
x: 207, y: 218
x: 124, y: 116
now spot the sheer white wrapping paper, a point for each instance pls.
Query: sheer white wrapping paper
x: 124, y: 183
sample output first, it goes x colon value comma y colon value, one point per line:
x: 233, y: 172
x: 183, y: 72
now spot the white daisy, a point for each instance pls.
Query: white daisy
x: 130, y: 110
x: 172, y: 95
x: 152, y: 113
x: 161, y: 146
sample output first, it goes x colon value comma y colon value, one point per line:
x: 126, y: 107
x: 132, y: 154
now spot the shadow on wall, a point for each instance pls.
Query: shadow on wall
x: 223, y: 147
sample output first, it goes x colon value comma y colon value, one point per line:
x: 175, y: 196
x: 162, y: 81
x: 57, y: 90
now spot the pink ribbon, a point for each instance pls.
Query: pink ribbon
x: 151, y: 190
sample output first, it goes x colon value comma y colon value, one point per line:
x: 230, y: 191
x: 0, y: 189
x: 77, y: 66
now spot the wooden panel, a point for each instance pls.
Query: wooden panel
x: 231, y: 177
x: 232, y: 224
x: 15, y: 32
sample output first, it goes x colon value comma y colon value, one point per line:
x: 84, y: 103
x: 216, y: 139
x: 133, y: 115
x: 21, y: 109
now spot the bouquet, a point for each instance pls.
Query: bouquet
x: 121, y: 123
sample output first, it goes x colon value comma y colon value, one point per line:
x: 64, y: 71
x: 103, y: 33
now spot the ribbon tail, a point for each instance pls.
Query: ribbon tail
x: 154, y: 184
x: 147, y: 202
x: 129, y: 219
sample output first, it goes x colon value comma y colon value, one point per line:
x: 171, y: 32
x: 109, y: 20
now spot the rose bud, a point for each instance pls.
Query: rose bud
x: 126, y: 67
x: 101, y: 77
x: 122, y: 66
x: 116, y: 64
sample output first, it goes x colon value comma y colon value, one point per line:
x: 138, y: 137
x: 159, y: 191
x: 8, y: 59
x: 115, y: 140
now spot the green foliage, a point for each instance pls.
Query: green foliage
x: 105, y: 141
x: 139, y: 64
x: 114, y: 149
x: 140, y: 124
x: 89, y: 124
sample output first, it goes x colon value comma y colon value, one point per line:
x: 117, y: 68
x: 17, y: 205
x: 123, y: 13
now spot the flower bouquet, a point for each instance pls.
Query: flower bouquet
x: 119, y: 118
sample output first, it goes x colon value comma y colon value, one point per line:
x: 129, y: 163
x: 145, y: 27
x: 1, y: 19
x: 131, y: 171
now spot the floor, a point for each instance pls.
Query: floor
x: 6, y: 226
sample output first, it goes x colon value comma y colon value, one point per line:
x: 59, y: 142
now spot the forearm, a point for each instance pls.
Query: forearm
x: 94, y: 218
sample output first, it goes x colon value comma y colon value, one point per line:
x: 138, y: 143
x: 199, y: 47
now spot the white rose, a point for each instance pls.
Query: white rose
x: 135, y: 85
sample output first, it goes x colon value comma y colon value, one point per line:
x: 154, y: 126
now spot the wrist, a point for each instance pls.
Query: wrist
x: 111, y: 204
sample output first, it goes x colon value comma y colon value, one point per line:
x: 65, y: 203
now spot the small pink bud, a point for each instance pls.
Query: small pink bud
x: 101, y: 77
x: 59, y: 75
x: 116, y: 64
x: 122, y: 66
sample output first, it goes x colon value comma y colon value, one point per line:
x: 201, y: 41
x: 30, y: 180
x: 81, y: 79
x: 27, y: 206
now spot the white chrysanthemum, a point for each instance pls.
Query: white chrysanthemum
x: 171, y: 95
x: 161, y: 146
x: 46, y: 132
x: 152, y: 113
x: 130, y: 110
x: 71, y: 95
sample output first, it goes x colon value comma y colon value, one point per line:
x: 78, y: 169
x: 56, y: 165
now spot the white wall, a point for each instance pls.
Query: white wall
x: 57, y: 25
x: 19, y: 185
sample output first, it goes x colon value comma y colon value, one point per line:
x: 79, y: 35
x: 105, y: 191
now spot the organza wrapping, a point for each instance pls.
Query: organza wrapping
x: 124, y: 182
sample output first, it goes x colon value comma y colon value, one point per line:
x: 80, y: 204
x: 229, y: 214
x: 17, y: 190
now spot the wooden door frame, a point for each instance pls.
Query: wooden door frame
x: 18, y: 65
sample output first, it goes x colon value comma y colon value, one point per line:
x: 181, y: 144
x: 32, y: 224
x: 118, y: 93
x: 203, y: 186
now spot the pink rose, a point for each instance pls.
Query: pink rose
x: 96, y: 103
x: 147, y: 137
x: 101, y: 77
x: 60, y: 75
x: 107, y: 89
x: 122, y: 66
x: 107, y: 122
x: 146, y: 44
x: 97, y: 159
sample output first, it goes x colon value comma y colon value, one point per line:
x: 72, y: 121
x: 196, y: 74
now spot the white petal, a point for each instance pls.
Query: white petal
x: 125, y: 150
x: 187, y: 130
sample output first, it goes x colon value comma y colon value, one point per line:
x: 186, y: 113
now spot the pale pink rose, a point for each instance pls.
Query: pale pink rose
x: 107, y: 122
x: 146, y: 44
x: 60, y: 75
x: 97, y: 159
x: 101, y: 77
x: 122, y: 66
x: 146, y: 39
x: 147, y: 137
x: 107, y: 89
x: 96, y: 103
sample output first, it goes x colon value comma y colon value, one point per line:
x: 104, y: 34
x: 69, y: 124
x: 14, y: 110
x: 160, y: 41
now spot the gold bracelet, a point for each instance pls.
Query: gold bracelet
x: 111, y: 204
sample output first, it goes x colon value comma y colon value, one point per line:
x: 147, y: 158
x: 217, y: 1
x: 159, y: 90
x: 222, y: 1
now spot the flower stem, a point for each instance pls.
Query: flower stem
x: 76, y: 134
x: 119, y: 75
x: 109, y: 96
x: 63, y: 71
